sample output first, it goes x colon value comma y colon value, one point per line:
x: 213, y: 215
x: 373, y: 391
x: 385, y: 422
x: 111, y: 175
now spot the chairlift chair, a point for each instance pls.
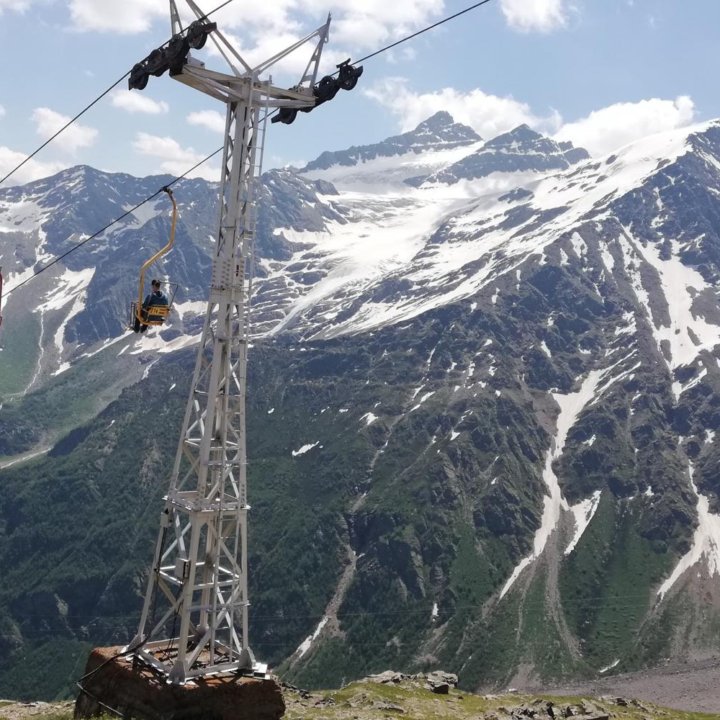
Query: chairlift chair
x: 155, y: 314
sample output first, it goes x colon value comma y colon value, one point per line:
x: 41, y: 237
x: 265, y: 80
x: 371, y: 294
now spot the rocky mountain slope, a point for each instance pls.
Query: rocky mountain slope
x: 483, y: 399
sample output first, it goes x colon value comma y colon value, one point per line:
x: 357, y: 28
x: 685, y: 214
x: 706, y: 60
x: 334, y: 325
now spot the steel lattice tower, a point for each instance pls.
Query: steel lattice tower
x: 199, y: 573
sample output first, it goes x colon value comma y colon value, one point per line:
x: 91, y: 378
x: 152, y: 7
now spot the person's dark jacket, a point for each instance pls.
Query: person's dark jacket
x: 156, y: 297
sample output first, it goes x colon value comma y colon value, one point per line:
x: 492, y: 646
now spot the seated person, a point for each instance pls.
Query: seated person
x: 156, y: 297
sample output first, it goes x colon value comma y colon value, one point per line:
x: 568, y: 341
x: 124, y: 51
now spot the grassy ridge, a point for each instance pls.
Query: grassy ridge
x: 368, y: 700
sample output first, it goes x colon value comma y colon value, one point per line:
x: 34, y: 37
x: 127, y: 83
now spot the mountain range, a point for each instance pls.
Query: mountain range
x: 482, y: 408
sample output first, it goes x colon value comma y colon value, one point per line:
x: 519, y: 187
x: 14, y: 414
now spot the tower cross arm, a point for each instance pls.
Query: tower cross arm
x: 321, y: 34
x: 230, y: 88
x: 310, y: 74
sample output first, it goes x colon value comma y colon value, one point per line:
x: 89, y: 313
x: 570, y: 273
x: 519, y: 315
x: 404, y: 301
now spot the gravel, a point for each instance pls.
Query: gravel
x: 693, y: 687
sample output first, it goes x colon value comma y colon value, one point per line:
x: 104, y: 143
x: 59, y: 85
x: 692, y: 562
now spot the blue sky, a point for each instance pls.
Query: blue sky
x: 598, y: 72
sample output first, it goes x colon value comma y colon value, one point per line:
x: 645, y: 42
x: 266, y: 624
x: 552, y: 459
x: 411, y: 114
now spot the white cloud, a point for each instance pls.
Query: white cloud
x: 2, y: 111
x: 272, y: 26
x: 210, y: 119
x: 404, y: 53
x: 358, y: 24
x: 261, y: 46
x: 276, y: 15
x: 128, y: 16
x: 535, y: 15
x: 601, y: 132
x: 16, y: 5
x: 372, y: 23
x: 48, y: 122
x: 489, y: 115
x: 277, y: 161
x: 31, y: 170
x: 135, y: 102
x: 174, y: 159
x: 605, y: 130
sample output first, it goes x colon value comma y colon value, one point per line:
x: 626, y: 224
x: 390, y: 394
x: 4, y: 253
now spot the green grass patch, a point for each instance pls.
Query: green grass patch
x: 607, y: 582
x: 411, y: 699
x: 19, y: 343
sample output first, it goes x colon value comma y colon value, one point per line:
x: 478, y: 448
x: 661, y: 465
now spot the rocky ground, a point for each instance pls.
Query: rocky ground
x: 694, y: 686
x: 435, y: 697
x: 10, y: 710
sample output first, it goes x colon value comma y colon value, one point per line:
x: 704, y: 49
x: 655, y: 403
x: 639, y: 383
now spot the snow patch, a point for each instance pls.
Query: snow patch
x: 609, y: 667
x: 147, y: 342
x: 571, y: 406
x: 583, y: 512
x: 70, y: 288
x: 422, y: 400
x: 305, y: 448
x: 687, y: 334
x: 607, y: 258
x: 579, y: 245
x: 147, y: 211
x: 308, y: 641
x: 195, y: 307
x: 705, y: 545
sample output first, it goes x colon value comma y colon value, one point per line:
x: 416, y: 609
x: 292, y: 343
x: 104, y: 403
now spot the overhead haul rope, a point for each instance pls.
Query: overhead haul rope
x: 590, y: 601
x: 58, y: 258
x: 64, y: 127
x: 82, y: 112
x: 420, y: 32
x: 194, y: 167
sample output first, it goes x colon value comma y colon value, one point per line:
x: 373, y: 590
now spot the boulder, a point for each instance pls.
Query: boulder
x: 112, y: 682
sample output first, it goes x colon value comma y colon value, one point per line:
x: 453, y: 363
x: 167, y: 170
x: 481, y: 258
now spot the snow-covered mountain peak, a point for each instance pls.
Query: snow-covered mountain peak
x: 353, y: 247
x: 521, y: 134
x: 441, y: 127
x: 400, y: 252
x: 520, y: 150
x: 438, y: 132
x: 432, y: 145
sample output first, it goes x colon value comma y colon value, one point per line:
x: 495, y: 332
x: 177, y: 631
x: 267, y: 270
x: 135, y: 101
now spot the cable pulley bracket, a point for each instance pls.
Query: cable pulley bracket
x: 173, y: 55
x: 345, y: 78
